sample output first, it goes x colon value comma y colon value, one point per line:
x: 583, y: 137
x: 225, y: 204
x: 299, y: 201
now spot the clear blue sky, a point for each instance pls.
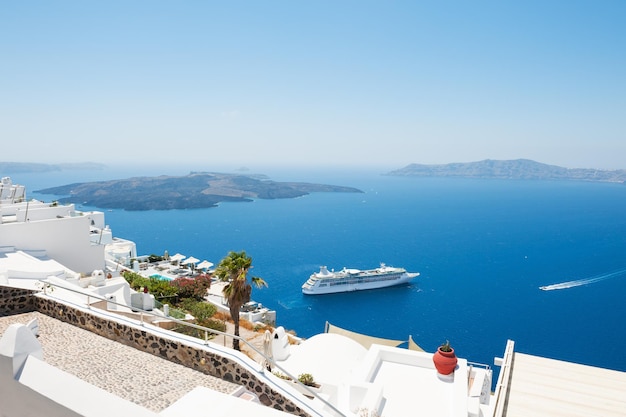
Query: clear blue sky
x: 252, y: 83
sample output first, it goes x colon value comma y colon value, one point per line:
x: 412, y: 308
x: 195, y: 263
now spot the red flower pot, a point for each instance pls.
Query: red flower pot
x: 445, y: 362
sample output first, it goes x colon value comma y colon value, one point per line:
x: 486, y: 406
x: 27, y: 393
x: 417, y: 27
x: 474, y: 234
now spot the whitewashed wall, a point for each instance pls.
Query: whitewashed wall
x: 66, y: 240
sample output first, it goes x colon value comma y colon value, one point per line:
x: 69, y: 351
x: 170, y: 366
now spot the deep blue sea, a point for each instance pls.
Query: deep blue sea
x: 483, y: 248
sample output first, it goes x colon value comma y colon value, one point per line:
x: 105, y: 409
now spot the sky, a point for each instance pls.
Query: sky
x: 313, y: 83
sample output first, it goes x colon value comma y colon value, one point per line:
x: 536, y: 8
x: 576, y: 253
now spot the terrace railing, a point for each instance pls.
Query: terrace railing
x: 171, y: 312
x: 47, y: 287
x: 502, y: 386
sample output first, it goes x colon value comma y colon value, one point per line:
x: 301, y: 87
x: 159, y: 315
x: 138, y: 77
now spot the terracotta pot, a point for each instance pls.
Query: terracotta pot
x: 445, y: 362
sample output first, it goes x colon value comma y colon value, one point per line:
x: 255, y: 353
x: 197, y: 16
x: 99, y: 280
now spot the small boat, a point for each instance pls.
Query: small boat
x: 328, y: 282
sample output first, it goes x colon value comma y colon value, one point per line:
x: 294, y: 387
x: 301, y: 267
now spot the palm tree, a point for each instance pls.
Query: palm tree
x: 234, y: 270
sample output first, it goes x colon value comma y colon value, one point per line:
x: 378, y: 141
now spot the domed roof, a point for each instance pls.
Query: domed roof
x: 327, y: 356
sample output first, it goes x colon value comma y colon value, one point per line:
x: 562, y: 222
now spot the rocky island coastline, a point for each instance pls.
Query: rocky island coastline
x: 196, y: 190
x: 523, y: 169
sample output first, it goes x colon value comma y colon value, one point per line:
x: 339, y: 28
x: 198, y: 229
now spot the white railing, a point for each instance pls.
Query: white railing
x: 502, y: 386
x: 46, y: 289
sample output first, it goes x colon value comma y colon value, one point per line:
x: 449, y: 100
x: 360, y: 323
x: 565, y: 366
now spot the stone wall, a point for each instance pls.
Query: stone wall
x: 197, y: 358
x: 15, y: 301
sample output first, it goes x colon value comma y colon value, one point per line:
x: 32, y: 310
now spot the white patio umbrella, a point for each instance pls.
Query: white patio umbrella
x: 190, y: 260
x: 204, y: 265
x: 177, y: 257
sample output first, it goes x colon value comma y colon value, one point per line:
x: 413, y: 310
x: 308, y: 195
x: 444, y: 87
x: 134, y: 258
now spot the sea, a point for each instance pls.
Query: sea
x: 542, y: 263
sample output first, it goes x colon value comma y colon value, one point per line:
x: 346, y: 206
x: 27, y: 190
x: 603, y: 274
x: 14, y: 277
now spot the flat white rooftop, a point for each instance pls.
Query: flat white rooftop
x: 552, y: 388
x: 409, y: 389
x: 389, y: 381
x: 22, y: 270
x: 411, y: 384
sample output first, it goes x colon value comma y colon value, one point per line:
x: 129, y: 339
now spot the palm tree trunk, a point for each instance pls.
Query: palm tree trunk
x: 236, y: 338
x: 234, y: 314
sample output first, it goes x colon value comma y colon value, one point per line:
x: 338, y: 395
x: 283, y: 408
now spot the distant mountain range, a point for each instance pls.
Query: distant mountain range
x: 196, y: 190
x: 24, y: 167
x: 510, y: 169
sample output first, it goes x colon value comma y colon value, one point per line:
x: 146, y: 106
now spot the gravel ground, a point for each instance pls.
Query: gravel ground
x: 140, y: 377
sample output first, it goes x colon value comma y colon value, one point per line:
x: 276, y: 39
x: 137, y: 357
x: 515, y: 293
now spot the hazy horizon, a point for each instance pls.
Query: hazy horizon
x: 347, y: 85
x: 198, y: 166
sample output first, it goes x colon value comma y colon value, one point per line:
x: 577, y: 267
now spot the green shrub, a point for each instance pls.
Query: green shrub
x: 307, y: 379
x: 281, y: 375
x: 164, y: 290
x: 154, y: 258
x: 209, y: 323
x: 201, y: 310
x: 158, y: 287
x: 214, y: 324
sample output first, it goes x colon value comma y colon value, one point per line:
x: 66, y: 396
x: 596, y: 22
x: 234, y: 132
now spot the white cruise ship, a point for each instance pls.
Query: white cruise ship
x: 328, y: 282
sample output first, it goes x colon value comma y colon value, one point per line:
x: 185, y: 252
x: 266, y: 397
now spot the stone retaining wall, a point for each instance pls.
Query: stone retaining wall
x: 193, y: 357
x: 15, y: 301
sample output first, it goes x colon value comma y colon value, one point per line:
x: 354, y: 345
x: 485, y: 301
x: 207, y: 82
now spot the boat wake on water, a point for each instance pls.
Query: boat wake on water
x: 583, y: 281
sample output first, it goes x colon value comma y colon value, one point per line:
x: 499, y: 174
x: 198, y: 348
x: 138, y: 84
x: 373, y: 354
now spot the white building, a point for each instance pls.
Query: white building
x: 52, y: 231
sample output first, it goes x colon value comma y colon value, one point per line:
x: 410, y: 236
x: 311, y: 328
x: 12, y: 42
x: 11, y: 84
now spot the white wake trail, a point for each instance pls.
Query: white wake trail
x: 583, y: 281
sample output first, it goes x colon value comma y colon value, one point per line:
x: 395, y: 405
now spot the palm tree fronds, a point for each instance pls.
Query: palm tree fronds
x: 234, y: 270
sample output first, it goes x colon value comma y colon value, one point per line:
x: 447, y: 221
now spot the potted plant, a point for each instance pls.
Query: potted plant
x: 444, y: 359
x: 307, y: 379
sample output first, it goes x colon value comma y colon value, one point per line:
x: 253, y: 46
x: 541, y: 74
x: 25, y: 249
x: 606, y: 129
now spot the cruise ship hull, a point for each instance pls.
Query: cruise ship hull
x: 349, y: 280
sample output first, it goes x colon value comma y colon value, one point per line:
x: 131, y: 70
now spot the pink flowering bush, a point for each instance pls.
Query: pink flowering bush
x: 192, y: 287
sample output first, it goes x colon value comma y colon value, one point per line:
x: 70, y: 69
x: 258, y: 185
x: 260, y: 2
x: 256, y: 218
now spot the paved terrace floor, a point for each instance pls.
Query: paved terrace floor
x: 140, y: 377
x: 542, y: 387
